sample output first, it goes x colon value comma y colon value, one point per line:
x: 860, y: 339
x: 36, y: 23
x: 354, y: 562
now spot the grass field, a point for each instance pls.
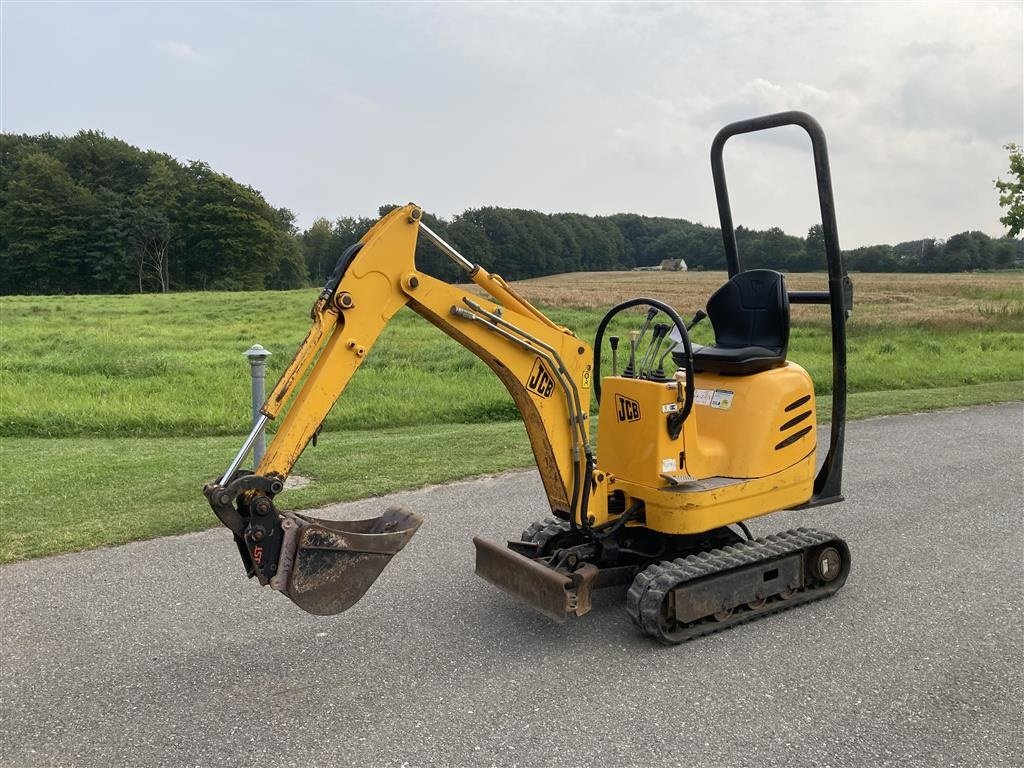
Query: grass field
x: 115, y: 409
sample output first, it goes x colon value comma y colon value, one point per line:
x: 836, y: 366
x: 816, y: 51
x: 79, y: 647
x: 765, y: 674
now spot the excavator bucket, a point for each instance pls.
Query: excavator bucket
x: 326, y: 566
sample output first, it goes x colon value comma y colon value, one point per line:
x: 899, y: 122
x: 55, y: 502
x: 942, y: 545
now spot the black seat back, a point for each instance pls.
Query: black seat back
x: 751, y: 310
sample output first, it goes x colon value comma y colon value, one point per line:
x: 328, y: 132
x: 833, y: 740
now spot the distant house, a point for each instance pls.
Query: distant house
x: 673, y: 265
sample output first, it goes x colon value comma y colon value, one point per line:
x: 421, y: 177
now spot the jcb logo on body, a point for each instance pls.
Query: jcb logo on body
x: 541, y: 381
x: 626, y: 409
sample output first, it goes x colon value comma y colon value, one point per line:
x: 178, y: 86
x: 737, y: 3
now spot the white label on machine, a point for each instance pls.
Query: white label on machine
x: 670, y: 407
x: 668, y: 465
x: 703, y: 396
x: 722, y: 399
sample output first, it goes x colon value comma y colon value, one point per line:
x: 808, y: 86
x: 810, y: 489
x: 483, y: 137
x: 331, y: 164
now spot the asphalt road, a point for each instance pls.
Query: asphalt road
x: 161, y: 653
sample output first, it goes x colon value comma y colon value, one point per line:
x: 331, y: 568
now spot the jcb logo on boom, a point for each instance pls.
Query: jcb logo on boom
x: 626, y: 409
x: 541, y: 381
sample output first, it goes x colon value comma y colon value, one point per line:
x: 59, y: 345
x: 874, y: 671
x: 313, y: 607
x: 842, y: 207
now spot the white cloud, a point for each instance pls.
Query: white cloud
x: 595, y: 108
x: 916, y: 99
x: 179, y: 50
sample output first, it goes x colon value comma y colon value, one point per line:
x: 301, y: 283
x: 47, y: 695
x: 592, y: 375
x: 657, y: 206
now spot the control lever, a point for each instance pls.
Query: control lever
x: 614, y: 341
x: 633, y: 338
x: 652, y: 350
x: 647, y: 323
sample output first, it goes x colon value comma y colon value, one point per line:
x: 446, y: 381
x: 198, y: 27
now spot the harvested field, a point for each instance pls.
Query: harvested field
x: 981, y: 300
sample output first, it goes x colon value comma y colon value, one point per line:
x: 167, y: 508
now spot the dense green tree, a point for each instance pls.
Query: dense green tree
x: 94, y: 160
x: 90, y: 213
x: 45, y: 218
x: 918, y: 255
x: 232, y: 236
x: 324, y: 243
x: 781, y: 251
x: 109, y: 256
x: 814, y: 257
x: 1011, y: 192
x: 349, y: 230
x: 154, y: 210
x: 318, y: 250
x: 290, y: 270
x: 470, y: 239
x: 873, y: 258
x: 673, y: 244
x: 1004, y: 252
x: 966, y: 251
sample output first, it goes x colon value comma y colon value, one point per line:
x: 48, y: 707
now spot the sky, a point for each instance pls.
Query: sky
x: 332, y: 109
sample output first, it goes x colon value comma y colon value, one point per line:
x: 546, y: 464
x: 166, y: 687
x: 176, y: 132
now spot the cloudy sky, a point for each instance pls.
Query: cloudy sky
x: 333, y: 109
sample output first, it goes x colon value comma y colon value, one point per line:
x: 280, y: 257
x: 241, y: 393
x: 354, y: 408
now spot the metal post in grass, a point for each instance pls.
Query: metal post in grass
x: 257, y: 368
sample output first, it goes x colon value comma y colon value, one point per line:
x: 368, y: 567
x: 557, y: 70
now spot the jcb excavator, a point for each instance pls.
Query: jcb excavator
x: 724, y: 433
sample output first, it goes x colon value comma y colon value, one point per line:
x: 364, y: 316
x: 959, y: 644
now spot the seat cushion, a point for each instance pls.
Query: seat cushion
x: 738, y: 361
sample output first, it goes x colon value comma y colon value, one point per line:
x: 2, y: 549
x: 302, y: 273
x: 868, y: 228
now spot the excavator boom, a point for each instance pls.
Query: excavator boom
x: 326, y: 566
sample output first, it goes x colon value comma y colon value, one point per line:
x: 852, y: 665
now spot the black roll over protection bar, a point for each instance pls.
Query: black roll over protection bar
x: 839, y: 296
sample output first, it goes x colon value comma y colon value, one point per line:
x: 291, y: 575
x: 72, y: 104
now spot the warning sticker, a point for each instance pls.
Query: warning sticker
x: 715, y: 398
x: 668, y: 465
x: 703, y: 396
x: 670, y: 407
x: 721, y: 399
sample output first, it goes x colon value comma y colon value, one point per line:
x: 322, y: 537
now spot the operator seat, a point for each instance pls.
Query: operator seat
x: 750, y: 317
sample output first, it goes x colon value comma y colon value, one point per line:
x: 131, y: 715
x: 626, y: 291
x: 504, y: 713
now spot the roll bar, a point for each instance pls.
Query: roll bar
x: 839, y: 296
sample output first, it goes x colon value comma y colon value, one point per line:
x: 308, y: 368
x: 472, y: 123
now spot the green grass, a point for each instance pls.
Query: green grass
x: 77, y: 493
x: 163, y: 366
x: 115, y: 409
x: 861, y: 405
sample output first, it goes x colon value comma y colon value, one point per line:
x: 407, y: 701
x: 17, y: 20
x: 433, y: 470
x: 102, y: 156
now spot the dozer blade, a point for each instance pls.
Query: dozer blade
x: 553, y: 593
x: 326, y: 566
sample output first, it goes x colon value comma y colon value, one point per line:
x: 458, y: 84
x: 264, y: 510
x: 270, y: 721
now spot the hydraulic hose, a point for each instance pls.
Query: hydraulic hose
x: 514, y: 334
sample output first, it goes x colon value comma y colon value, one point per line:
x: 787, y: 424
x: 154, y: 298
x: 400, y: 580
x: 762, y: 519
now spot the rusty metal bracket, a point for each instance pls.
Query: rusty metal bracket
x: 555, y: 593
x: 223, y: 500
x: 582, y: 580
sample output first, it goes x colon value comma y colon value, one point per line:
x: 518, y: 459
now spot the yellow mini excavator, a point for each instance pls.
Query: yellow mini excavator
x: 693, y: 440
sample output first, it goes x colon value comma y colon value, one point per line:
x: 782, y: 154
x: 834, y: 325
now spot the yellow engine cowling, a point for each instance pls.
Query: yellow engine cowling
x: 746, y: 449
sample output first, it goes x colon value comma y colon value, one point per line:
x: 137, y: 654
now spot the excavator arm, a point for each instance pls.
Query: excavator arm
x: 326, y: 566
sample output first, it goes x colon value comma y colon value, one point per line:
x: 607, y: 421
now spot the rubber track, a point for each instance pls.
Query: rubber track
x: 544, y: 531
x: 534, y: 528
x: 652, y: 585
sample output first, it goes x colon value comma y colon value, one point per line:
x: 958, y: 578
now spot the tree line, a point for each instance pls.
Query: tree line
x: 521, y: 244
x: 92, y: 214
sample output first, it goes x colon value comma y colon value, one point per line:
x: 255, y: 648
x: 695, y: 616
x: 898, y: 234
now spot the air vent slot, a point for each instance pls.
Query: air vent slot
x: 794, y: 421
x: 797, y: 403
x: 793, y: 438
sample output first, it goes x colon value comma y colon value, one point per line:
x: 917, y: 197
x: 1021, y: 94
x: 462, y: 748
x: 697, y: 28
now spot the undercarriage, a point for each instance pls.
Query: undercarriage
x: 680, y: 587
